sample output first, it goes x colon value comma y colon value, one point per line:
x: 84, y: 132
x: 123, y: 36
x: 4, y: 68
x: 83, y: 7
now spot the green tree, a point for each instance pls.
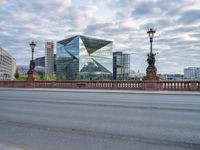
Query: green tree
x: 22, y: 77
x: 90, y: 76
x: 78, y: 76
x: 41, y: 75
x: 101, y: 77
x: 50, y: 77
x: 17, y: 75
x: 60, y: 77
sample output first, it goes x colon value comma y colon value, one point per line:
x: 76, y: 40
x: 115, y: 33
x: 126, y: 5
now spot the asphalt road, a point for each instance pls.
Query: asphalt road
x: 42, y: 120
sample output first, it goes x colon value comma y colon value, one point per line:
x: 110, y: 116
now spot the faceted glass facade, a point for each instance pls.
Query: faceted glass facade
x: 88, y: 57
x: 121, y: 66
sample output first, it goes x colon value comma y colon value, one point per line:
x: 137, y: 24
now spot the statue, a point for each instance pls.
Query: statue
x: 32, y: 65
x: 151, y: 69
x: 151, y: 60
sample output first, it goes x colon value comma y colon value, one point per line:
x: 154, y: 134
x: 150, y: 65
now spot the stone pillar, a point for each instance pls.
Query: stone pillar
x: 32, y: 74
x: 151, y: 74
x: 151, y: 80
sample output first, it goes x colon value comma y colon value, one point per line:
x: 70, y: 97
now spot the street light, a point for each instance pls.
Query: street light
x: 32, y: 74
x: 151, y: 33
x: 151, y: 56
x: 32, y: 45
x: 151, y: 69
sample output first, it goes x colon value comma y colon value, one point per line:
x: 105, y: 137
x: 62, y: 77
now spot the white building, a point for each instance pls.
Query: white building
x: 49, y: 58
x: 192, y: 73
x: 174, y: 77
x: 136, y: 75
x: 198, y: 73
x: 7, y: 65
x: 14, y: 68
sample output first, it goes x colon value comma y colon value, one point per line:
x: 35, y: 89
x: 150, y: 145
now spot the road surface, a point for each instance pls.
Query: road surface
x: 74, y: 120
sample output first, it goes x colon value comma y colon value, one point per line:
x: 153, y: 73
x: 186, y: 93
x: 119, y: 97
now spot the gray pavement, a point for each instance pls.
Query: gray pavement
x: 99, y: 119
x: 106, y: 91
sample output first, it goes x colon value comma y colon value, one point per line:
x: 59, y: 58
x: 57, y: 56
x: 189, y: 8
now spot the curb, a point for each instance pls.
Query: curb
x: 104, y: 91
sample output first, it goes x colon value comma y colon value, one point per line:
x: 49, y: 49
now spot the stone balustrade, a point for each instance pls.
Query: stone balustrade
x: 126, y: 85
x: 180, y: 85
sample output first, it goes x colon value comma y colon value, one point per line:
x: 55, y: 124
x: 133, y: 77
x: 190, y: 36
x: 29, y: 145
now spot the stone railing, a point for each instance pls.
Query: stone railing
x: 180, y: 85
x: 135, y: 85
x: 126, y: 85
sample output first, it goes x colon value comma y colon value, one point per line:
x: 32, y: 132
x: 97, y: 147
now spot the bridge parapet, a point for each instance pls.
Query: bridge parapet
x: 123, y: 85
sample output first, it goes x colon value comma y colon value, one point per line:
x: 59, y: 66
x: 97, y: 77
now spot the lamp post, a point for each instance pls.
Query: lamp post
x: 32, y: 74
x: 151, y: 33
x: 151, y: 69
x: 32, y: 45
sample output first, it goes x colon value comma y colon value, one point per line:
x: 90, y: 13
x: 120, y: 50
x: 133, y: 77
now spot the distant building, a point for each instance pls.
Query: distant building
x: 136, y: 75
x: 85, y: 56
x: 7, y: 65
x: 22, y: 69
x: 192, y: 73
x: 198, y: 73
x: 49, y: 58
x: 14, y: 68
x: 40, y: 62
x: 121, y: 66
x: 173, y: 77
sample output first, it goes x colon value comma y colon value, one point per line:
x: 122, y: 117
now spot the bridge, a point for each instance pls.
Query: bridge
x: 127, y: 85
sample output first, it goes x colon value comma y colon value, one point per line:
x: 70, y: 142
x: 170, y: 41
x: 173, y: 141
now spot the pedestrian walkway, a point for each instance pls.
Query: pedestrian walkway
x: 107, y: 91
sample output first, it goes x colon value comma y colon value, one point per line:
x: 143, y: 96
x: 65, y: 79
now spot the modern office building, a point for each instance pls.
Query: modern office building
x: 49, y: 58
x: 121, y: 66
x: 7, y: 65
x: 40, y: 61
x: 84, y: 56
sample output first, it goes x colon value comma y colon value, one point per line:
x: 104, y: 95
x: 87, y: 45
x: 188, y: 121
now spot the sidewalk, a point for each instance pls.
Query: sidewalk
x: 105, y: 91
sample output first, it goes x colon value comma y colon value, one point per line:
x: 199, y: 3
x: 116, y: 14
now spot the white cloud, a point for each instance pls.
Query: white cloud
x: 123, y: 21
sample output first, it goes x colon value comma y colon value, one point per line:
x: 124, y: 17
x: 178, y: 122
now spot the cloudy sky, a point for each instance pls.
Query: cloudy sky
x: 177, y: 24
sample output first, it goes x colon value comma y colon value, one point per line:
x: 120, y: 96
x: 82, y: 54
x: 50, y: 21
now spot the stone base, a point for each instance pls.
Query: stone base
x: 151, y: 74
x: 32, y: 75
x: 151, y: 85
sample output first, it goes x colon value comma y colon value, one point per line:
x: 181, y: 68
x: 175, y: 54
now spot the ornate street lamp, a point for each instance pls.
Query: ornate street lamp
x: 32, y: 74
x: 32, y: 45
x: 151, y: 33
x: 151, y: 69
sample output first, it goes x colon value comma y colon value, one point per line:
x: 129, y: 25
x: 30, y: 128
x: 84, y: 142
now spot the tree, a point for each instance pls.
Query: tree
x: 101, y: 77
x: 90, y: 76
x: 78, y: 76
x: 41, y: 75
x: 60, y: 77
x: 17, y: 75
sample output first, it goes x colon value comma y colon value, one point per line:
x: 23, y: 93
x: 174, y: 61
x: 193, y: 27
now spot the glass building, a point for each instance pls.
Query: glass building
x: 86, y: 57
x: 40, y: 62
x: 121, y: 66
